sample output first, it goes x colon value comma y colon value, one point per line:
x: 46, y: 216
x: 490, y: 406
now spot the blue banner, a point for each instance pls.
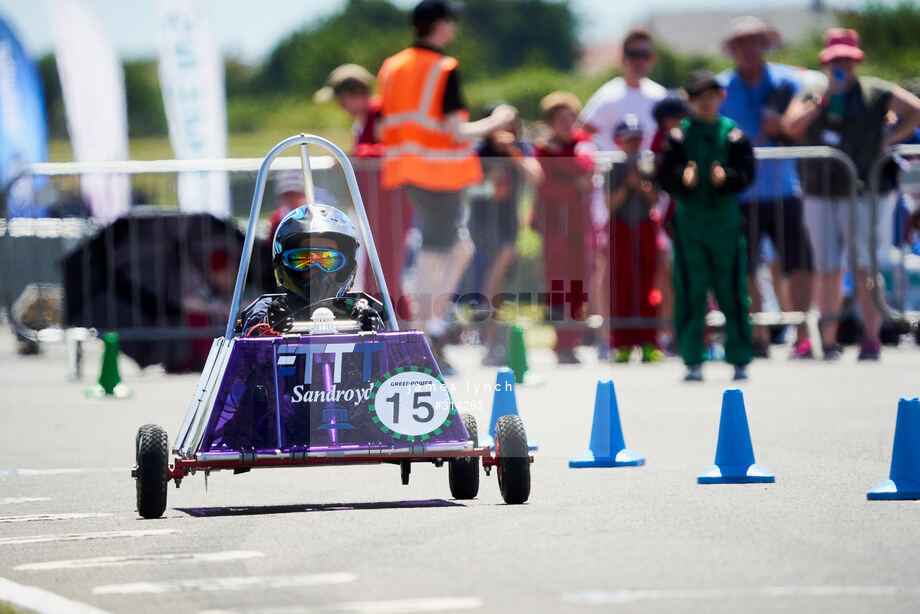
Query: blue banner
x: 23, y: 131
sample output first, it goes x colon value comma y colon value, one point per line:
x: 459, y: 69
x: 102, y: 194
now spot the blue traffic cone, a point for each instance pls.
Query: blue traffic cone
x: 904, y: 477
x: 504, y: 403
x: 607, y: 448
x: 734, y: 452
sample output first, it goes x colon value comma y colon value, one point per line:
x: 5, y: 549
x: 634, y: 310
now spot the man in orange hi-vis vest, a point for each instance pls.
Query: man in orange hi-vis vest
x: 428, y: 141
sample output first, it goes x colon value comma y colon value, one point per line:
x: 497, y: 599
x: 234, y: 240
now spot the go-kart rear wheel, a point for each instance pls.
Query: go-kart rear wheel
x: 463, y: 473
x: 513, y: 459
x: 152, y: 470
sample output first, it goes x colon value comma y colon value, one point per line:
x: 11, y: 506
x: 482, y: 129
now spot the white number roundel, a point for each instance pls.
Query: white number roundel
x: 411, y: 403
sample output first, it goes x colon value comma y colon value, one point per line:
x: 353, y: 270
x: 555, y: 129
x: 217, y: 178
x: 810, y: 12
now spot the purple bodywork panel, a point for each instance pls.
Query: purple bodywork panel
x: 319, y: 393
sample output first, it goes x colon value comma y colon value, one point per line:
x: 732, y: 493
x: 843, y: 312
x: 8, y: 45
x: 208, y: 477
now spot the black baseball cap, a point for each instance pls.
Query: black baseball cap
x: 629, y: 126
x: 429, y: 11
x: 670, y: 106
x: 701, y: 80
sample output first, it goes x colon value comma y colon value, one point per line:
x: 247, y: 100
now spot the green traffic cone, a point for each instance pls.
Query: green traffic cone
x: 109, y: 379
x: 517, y: 353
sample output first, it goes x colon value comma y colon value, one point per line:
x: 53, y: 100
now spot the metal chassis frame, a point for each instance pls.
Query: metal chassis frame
x: 303, y: 141
x: 183, y: 467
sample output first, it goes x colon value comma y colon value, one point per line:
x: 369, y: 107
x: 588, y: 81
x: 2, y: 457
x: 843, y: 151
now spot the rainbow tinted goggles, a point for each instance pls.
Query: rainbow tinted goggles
x: 305, y: 258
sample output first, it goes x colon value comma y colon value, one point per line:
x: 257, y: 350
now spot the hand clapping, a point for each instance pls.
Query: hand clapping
x: 717, y: 176
x: 690, y: 177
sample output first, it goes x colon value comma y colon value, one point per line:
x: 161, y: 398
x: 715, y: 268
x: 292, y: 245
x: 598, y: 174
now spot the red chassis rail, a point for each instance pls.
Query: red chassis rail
x: 182, y: 467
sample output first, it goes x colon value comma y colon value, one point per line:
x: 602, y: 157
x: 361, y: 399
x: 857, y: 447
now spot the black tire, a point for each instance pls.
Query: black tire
x: 137, y: 438
x: 152, y: 470
x: 463, y: 473
x: 513, y: 459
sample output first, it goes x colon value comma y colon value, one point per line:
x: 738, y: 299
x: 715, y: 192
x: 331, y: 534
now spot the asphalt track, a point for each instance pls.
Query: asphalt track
x: 353, y: 539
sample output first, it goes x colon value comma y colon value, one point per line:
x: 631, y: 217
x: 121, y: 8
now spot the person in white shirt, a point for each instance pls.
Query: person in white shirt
x: 632, y: 94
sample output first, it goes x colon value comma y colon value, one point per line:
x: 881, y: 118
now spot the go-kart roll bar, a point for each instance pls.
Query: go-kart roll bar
x: 304, y: 140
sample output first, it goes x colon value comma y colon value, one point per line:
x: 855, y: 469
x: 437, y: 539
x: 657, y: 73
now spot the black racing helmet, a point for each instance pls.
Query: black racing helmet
x: 332, y: 270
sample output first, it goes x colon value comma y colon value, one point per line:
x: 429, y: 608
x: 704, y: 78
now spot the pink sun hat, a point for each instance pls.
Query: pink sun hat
x: 841, y: 43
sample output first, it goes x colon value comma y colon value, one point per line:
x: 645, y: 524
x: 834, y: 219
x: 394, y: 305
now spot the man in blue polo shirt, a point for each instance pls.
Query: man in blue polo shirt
x: 756, y: 95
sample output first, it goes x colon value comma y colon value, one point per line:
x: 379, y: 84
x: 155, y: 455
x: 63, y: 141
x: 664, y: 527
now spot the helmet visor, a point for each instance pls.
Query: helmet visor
x: 305, y: 258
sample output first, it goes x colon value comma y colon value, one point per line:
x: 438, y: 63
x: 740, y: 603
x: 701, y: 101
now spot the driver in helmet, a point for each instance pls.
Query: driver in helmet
x: 313, y: 255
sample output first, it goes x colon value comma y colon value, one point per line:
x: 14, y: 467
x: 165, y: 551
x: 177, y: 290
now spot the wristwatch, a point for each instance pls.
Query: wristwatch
x: 819, y: 100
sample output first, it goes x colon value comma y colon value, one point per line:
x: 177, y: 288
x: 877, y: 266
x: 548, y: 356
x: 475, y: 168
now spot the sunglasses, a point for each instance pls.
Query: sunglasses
x: 305, y: 258
x: 637, y: 54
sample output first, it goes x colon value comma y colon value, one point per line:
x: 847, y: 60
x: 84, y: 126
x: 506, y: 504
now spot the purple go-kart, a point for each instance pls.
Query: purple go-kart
x: 325, y: 393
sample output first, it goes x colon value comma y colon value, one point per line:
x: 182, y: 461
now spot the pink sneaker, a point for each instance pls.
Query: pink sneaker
x: 870, y: 349
x: 802, y: 350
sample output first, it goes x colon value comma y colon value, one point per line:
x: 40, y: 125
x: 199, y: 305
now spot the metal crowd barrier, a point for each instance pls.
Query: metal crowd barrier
x: 529, y: 286
x: 905, y: 317
x: 124, y: 285
x: 398, y: 240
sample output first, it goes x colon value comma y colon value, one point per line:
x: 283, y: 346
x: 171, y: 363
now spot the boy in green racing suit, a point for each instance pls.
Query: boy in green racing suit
x: 704, y: 164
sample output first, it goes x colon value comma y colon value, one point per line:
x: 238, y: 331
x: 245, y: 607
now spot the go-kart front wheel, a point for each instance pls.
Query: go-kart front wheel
x: 513, y: 459
x: 463, y: 473
x: 140, y: 434
x: 152, y: 470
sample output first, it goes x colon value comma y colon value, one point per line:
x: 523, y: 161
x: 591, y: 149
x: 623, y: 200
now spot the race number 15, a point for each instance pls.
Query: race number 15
x: 412, y: 403
x: 417, y: 403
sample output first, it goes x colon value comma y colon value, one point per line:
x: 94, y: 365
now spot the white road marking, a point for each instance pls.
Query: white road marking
x: 42, y: 601
x: 398, y: 606
x: 599, y: 597
x: 14, y: 473
x: 240, y: 583
x: 78, y: 537
x: 12, y: 500
x: 44, y: 517
x: 143, y: 559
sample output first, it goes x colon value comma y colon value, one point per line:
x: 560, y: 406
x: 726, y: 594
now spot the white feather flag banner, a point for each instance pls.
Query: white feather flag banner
x: 192, y: 81
x: 93, y: 87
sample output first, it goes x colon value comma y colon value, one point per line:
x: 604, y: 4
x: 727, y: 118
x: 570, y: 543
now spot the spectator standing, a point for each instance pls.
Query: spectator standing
x: 428, y: 150
x: 634, y: 255
x: 705, y: 164
x: 289, y: 190
x: 757, y: 94
x: 206, y: 298
x: 907, y: 210
x: 388, y: 211
x: 562, y: 216
x: 508, y: 167
x: 633, y: 93
x: 668, y: 113
x: 849, y: 113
